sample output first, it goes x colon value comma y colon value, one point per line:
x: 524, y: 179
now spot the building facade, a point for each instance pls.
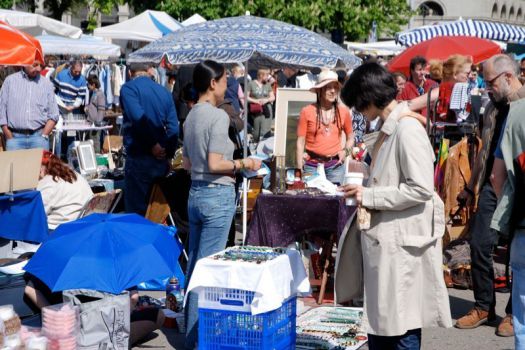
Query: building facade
x: 432, y: 11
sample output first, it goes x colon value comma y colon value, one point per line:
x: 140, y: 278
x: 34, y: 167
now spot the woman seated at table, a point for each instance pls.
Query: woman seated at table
x: 143, y: 320
x: 64, y: 192
x: 321, y: 128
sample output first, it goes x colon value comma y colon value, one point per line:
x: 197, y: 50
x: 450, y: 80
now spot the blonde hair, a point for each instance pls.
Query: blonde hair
x: 435, y: 69
x: 453, y: 65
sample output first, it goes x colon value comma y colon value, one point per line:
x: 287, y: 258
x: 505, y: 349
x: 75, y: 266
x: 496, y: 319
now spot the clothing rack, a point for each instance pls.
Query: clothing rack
x: 120, y: 61
x: 453, y: 131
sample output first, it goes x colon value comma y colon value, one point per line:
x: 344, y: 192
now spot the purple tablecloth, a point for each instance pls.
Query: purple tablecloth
x: 279, y: 220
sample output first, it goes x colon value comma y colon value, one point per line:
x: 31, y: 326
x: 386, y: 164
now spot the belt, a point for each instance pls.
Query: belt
x: 317, y: 157
x: 25, y: 131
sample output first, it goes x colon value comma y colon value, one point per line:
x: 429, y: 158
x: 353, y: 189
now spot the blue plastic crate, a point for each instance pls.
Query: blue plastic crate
x: 234, y: 330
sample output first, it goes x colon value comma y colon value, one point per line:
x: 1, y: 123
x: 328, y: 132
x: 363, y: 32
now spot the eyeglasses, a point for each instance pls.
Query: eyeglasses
x: 491, y: 82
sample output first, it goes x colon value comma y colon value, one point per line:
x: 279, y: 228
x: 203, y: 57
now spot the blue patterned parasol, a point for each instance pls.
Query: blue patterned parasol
x: 260, y: 41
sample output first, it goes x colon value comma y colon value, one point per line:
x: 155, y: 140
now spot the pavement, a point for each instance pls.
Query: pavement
x: 481, y: 338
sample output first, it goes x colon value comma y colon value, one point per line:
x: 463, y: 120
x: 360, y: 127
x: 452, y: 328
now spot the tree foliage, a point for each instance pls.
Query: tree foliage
x: 353, y: 17
x: 6, y: 4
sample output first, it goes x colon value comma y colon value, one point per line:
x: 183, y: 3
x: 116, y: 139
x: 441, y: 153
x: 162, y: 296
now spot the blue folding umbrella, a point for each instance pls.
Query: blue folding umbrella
x: 106, y: 252
x: 259, y: 41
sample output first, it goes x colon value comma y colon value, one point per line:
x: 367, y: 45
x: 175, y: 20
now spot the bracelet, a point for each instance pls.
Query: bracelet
x: 243, y: 166
x: 347, y: 152
x: 234, y: 167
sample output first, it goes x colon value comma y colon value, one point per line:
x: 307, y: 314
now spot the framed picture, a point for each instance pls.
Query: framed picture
x: 86, y: 157
x: 288, y: 106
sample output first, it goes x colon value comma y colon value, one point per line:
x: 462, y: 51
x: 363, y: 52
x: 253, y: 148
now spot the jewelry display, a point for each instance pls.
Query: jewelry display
x: 249, y: 254
x: 330, y: 328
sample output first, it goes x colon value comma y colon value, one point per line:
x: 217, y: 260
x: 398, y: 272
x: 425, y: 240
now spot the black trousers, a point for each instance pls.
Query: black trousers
x: 482, y: 242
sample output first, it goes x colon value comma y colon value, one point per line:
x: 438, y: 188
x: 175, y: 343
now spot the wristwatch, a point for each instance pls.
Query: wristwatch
x: 45, y: 136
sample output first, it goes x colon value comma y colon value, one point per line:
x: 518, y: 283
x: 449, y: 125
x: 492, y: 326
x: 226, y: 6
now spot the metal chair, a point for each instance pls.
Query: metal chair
x: 103, y: 203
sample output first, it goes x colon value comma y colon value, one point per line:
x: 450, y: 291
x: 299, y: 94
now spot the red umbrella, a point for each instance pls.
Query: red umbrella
x: 18, y: 48
x: 442, y: 47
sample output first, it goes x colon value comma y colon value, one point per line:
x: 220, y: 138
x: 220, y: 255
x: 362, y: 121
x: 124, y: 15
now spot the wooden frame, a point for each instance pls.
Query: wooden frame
x: 289, y: 103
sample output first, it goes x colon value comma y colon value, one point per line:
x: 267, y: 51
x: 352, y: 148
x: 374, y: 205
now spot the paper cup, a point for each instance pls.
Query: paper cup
x: 353, y: 179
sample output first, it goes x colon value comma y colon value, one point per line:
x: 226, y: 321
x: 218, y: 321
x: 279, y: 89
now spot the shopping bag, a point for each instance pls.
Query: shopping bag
x: 104, y: 319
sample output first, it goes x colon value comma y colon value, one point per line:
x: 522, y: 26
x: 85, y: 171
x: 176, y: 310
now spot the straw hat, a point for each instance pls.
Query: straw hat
x: 325, y: 77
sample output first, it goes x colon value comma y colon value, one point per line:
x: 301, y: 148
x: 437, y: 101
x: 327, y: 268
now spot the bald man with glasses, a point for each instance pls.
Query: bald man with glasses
x: 503, y: 86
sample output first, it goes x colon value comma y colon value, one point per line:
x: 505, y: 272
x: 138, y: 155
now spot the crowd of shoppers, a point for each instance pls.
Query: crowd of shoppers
x: 400, y: 216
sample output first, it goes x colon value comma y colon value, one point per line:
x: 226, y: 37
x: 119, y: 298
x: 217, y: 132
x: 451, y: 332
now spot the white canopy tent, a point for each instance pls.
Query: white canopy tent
x: 35, y: 24
x: 195, y: 19
x: 380, y: 48
x: 387, y: 48
x: 148, y: 26
x: 85, y: 45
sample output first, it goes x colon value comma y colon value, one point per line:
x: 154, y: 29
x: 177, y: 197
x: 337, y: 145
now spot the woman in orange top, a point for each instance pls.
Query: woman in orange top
x: 320, y: 130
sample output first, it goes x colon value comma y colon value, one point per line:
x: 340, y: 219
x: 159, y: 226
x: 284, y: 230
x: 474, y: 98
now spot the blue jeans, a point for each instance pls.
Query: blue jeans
x: 335, y: 174
x: 140, y: 173
x: 517, y: 261
x: 210, y: 211
x: 411, y: 340
x: 21, y: 141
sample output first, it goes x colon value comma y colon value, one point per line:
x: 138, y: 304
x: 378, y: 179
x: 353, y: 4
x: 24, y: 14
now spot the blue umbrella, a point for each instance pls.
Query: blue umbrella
x: 106, y: 252
x: 259, y: 41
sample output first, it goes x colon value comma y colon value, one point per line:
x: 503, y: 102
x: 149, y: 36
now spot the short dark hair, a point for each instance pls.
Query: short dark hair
x: 522, y: 60
x: 93, y: 80
x: 369, y: 84
x: 75, y: 63
x: 139, y: 66
x: 417, y: 60
x: 204, y: 73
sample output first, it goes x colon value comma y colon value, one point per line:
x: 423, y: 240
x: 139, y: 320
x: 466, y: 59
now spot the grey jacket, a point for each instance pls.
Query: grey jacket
x: 96, y: 107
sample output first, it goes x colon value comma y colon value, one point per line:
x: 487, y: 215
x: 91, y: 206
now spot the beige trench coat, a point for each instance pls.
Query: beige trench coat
x: 400, y: 255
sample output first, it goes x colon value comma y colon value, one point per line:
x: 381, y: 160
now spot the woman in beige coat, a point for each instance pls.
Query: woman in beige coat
x: 402, y: 225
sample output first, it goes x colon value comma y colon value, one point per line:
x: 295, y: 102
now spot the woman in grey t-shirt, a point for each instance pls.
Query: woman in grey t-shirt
x: 208, y: 154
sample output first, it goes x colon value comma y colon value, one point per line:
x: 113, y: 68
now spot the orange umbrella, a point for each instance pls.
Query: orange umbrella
x: 18, y: 48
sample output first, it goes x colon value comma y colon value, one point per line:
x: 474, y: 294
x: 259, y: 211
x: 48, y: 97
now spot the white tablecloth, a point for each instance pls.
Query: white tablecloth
x: 272, y: 281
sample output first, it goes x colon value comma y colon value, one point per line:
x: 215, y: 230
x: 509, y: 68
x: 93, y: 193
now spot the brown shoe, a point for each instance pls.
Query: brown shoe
x: 473, y: 319
x: 506, y: 327
x: 448, y: 278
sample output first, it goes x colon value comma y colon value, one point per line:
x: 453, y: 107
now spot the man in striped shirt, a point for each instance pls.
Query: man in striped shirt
x: 71, y: 89
x: 28, y: 110
x: 71, y: 92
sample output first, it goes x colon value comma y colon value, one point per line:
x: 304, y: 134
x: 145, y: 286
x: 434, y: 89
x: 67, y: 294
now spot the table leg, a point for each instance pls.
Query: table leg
x: 328, y: 261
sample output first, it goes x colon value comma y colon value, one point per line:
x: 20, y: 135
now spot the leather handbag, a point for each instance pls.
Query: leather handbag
x: 256, y: 108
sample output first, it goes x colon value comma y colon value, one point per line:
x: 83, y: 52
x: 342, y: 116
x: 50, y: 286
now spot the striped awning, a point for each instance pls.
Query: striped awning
x: 480, y: 29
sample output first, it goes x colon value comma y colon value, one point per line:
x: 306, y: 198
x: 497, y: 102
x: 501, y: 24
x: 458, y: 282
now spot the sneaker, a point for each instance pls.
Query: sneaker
x: 506, y: 327
x: 474, y: 318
